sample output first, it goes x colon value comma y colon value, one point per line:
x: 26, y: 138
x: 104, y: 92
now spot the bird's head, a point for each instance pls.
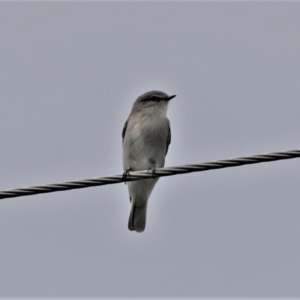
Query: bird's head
x: 156, y: 99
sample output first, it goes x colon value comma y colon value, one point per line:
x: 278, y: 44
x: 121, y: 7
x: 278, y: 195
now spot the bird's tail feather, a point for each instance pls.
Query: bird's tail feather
x: 137, y: 218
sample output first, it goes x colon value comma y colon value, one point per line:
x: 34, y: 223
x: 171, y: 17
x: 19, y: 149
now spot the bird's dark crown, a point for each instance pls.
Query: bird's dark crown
x: 156, y: 96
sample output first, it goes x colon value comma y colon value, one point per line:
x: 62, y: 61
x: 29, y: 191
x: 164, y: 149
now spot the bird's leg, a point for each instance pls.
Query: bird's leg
x: 126, y: 174
x: 152, y: 170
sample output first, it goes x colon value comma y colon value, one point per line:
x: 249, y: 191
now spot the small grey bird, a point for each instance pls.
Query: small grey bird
x: 146, y: 139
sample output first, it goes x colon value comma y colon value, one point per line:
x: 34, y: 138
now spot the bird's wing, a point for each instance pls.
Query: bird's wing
x: 124, y: 130
x: 168, y: 139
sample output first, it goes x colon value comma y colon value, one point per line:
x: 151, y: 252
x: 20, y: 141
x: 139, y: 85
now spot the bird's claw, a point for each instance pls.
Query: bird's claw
x: 152, y: 170
x: 126, y: 174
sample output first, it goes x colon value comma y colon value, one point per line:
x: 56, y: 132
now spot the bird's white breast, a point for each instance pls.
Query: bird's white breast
x: 145, y: 140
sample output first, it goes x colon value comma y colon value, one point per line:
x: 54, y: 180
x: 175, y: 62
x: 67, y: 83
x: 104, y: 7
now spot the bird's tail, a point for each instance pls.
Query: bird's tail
x: 137, y: 218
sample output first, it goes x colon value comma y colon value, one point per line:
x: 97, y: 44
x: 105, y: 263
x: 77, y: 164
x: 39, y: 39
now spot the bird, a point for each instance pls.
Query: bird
x: 146, y: 137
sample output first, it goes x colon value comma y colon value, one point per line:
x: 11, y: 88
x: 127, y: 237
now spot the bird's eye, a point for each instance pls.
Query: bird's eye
x: 155, y: 98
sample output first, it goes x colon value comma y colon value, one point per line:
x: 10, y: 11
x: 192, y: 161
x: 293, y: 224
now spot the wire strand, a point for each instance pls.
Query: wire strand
x: 139, y: 175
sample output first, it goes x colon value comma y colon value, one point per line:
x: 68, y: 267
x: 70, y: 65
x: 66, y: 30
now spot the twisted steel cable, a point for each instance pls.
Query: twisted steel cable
x: 212, y: 165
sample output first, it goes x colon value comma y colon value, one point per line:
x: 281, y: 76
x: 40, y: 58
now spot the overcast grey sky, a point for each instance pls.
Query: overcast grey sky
x: 69, y: 73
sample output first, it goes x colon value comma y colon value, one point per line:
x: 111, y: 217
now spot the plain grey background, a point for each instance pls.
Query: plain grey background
x: 69, y: 73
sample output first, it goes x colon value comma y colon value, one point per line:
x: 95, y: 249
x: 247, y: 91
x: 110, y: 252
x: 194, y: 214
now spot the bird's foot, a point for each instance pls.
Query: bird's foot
x: 152, y: 170
x: 126, y: 175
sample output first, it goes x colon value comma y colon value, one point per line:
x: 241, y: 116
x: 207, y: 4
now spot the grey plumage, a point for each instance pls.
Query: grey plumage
x: 146, y: 138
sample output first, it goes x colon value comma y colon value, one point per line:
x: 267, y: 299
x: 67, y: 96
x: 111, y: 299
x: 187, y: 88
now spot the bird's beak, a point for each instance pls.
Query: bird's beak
x: 171, y: 97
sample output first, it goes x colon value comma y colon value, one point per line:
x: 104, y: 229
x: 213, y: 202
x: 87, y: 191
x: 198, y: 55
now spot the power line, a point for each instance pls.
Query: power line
x: 211, y: 165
